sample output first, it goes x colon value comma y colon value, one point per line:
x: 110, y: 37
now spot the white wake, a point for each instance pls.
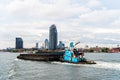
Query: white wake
x: 100, y: 64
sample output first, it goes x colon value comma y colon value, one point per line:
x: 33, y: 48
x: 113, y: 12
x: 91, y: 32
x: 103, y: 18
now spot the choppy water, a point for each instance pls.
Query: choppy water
x: 107, y: 68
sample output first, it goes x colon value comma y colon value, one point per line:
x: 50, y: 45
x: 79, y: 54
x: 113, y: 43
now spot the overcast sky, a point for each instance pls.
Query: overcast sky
x: 88, y: 21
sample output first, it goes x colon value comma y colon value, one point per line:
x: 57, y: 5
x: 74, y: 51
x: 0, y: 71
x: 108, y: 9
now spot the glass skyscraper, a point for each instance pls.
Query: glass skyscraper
x: 46, y: 44
x: 61, y: 45
x: 37, y: 45
x: 53, y: 37
x: 19, y: 43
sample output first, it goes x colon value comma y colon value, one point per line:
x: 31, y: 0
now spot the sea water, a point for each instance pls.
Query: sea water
x: 107, y: 68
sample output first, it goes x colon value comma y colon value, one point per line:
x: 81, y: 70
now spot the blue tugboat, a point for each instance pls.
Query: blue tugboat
x: 74, y: 56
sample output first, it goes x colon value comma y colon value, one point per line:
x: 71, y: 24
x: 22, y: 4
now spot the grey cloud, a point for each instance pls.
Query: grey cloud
x: 75, y: 20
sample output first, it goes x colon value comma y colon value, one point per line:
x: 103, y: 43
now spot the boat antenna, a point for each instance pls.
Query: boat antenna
x: 77, y: 43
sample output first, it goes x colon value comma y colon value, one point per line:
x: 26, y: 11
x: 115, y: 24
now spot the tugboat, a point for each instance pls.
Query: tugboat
x: 74, y: 56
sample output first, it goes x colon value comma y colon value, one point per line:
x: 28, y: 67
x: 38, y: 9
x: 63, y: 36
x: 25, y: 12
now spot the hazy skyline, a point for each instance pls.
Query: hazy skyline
x: 87, y: 21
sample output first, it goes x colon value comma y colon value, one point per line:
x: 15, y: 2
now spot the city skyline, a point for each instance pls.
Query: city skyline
x: 92, y: 22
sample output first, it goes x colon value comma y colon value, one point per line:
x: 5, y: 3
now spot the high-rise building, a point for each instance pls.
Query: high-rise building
x: 37, y: 45
x: 46, y: 44
x: 53, y: 37
x: 61, y: 45
x: 19, y: 43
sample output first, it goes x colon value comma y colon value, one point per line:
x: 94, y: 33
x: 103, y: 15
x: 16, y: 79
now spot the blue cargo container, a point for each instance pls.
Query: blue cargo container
x: 75, y: 60
x: 67, y: 58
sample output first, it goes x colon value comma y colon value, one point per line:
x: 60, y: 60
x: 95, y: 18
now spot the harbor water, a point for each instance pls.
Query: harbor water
x: 107, y: 68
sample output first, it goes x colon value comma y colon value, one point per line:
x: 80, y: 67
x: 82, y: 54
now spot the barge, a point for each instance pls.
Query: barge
x: 43, y: 55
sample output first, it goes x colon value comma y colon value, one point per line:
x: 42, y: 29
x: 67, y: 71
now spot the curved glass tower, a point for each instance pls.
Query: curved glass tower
x: 53, y: 37
x: 19, y: 43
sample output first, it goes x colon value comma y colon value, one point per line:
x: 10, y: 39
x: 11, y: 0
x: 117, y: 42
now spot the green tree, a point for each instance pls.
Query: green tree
x: 105, y: 49
x: 91, y: 50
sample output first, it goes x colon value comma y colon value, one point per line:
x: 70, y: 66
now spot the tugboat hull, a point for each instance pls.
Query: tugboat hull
x: 81, y: 62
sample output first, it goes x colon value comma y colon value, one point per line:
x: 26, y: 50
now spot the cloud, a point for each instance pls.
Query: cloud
x: 85, y: 20
x: 36, y: 9
x: 94, y: 3
x: 100, y: 17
